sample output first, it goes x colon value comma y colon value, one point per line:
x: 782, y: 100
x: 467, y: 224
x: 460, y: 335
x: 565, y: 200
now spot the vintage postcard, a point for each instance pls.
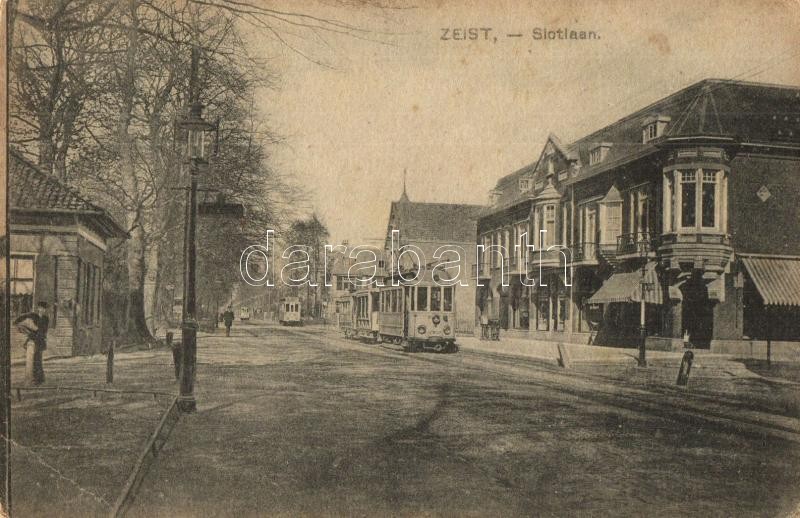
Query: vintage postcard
x: 400, y: 258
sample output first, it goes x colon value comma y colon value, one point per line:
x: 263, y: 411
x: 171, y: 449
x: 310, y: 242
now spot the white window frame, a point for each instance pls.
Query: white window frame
x: 650, y: 132
x: 548, y: 236
x: 605, y: 228
x: 720, y: 200
x: 637, y: 194
x: 595, y: 156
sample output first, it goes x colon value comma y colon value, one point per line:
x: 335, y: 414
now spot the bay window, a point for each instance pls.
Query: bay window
x: 549, y: 225
x: 688, y: 198
x: 707, y: 202
x: 694, y: 200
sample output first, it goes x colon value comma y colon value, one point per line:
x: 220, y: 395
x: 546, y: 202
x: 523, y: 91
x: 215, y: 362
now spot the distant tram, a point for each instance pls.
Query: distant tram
x: 419, y: 316
x: 289, y: 311
x: 245, y: 313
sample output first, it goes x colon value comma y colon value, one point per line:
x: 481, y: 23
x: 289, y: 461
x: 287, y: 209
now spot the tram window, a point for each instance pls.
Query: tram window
x: 412, y: 299
x: 422, y: 298
x: 448, y: 298
x: 436, y: 299
x: 395, y: 301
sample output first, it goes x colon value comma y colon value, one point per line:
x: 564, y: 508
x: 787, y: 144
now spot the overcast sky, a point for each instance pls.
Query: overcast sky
x: 458, y: 115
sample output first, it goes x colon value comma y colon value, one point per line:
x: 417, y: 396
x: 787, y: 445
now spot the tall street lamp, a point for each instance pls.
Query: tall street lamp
x: 196, y: 128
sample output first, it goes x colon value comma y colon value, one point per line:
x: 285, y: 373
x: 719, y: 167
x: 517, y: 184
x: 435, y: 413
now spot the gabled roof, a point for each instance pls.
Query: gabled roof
x: 442, y: 222
x: 548, y: 193
x: 32, y: 190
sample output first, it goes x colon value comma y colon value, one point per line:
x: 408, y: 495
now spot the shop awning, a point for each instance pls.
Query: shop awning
x: 777, y: 279
x: 627, y: 287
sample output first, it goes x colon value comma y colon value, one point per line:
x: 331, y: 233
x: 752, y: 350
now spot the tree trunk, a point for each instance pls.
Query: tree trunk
x: 136, y: 328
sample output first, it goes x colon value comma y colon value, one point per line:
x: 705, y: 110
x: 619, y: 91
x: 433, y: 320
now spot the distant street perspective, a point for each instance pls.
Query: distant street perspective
x: 300, y: 421
x: 393, y: 258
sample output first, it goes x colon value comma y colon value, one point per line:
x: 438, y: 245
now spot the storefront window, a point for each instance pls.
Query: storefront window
x: 562, y: 313
x: 543, y: 312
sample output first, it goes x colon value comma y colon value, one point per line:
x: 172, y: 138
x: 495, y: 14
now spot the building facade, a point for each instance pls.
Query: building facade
x: 686, y: 204
x: 58, y: 244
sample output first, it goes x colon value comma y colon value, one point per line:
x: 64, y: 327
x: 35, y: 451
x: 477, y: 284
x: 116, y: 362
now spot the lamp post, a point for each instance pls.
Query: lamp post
x: 196, y: 128
x: 644, y: 248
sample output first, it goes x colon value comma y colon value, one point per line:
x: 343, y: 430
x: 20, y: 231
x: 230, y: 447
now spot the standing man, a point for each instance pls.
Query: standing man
x: 228, y: 318
x: 34, y: 325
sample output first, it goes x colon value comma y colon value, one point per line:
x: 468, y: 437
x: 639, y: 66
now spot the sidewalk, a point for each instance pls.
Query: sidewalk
x: 74, y: 448
x: 705, y: 364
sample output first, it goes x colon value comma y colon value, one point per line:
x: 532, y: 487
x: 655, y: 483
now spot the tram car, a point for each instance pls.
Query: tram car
x: 289, y: 311
x: 245, y: 313
x: 419, y: 315
x: 344, y: 314
x: 364, y: 307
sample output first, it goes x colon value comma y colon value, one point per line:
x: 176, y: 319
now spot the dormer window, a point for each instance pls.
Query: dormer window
x: 598, y: 153
x: 653, y: 127
x: 524, y: 184
x: 494, y: 196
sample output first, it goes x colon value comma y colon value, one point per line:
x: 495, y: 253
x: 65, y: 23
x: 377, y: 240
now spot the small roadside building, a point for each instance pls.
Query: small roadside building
x: 58, y: 245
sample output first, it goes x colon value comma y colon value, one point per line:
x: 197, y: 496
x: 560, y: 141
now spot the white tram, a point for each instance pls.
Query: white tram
x: 289, y: 311
x: 417, y: 315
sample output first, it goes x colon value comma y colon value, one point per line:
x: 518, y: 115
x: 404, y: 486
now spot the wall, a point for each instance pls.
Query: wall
x: 766, y: 227
x: 89, y: 339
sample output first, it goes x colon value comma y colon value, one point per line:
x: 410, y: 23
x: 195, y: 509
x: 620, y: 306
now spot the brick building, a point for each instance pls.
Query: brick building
x: 689, y: 203
x: 58, y: 243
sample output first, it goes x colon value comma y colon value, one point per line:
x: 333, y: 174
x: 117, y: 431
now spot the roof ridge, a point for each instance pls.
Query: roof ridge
x: 440, y: 203
x: 670, y: 98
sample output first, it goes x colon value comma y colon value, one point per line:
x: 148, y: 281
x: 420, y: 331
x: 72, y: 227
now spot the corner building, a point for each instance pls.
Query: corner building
x: 689, y: 203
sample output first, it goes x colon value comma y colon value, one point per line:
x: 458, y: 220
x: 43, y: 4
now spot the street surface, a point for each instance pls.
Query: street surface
x: 298, y: 422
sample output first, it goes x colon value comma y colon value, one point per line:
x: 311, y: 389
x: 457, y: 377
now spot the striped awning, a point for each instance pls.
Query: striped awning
x: 627, y: 287
x: 777, y: 279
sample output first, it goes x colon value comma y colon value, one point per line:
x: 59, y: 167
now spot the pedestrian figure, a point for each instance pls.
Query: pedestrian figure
x: 484, y: 326
x: 228, y: 318
x: 34, y: 325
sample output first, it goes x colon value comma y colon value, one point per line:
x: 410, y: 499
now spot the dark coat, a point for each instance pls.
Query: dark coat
x: 42, y: 322
x: 228, y: 318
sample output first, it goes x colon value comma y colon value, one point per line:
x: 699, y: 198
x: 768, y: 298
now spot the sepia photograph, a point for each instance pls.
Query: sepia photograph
x: 407, y: 258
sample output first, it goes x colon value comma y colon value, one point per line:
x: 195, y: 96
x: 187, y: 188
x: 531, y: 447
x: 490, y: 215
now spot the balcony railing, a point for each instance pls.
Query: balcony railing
x: 636, y: 243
